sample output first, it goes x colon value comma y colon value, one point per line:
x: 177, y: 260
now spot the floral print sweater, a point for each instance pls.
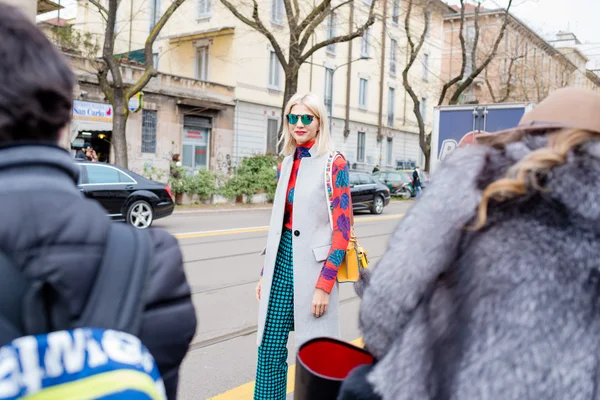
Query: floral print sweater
x: 342, y: 207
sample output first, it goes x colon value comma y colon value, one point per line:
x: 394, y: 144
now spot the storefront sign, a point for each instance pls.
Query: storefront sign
x: 88, y: 111
x: 136, y: 103
x: 198, y: 136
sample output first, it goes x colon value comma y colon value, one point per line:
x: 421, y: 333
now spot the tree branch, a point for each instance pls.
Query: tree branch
x: 314, y: 14
x: 311, y: 28
x: 490, y: 88
x: 291, y: 16
x: 509, y: 78
x: 476, y: 38
x: 343, y: 38
x: 461, y: 37
x: 414, y: 52
x: 109, y: 45
x: 101, y: 9
x: 466, y: 83
x: 257, y: 24
x: 149, y: 71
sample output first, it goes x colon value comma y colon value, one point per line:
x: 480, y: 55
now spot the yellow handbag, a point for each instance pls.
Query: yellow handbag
x: 356, y: 257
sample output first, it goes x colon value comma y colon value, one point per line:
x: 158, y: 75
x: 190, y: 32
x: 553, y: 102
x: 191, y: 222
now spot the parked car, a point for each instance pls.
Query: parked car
x: 399, y: 183
x: 125, y: 195
x: 367, y: 193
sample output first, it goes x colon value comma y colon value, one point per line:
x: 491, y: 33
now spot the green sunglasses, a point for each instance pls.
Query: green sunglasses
x: 305, y: 118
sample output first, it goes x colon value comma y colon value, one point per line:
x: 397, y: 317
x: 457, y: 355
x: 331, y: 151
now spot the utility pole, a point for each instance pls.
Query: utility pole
x: 28, y: 7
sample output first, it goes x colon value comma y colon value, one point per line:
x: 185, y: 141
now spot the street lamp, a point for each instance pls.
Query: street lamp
x: 331, y: 85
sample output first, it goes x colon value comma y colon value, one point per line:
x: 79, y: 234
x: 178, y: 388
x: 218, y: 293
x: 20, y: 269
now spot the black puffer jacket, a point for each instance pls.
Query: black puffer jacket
x: 54, y: 234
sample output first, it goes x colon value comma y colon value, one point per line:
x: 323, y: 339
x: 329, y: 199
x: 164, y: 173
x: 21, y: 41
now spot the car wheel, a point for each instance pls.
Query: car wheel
x: 377, y: 205
x: 140, y: 214
x: 405, y: 194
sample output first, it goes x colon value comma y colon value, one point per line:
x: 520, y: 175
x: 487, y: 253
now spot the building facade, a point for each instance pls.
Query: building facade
x: 526, y: 68
x: 204, y: 42
x: 176, y: 115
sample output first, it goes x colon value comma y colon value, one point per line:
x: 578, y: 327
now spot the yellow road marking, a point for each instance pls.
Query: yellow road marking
x: 246, y: 391
x: 254, y: 229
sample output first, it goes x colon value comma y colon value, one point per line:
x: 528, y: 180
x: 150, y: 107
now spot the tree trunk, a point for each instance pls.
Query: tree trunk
x: 119, y: 141
x: 291, y: 87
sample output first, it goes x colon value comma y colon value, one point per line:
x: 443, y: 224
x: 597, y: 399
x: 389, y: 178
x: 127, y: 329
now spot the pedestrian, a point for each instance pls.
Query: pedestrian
x: 376, y: 169
x: 81, y: 154
x: 175, y: 164
x: 417, y: 181
x: 91, y: 154
x: 306, y: 244
x: 44, y: 241
x: 491, y: 283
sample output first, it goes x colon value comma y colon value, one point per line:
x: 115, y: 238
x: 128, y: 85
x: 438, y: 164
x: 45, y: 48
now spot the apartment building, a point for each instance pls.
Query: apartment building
x: 203, y: 41
x: 527, y: 67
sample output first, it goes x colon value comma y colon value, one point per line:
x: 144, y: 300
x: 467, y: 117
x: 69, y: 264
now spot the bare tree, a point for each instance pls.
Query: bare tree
x: 301, y: 30
x: 109, y: 74
x: 508, y: 87
x: 414, y: 47
x: 459, y: 84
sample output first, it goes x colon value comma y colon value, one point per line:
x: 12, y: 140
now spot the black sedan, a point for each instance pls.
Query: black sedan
x: 125, y: 195
x: 367, y: 194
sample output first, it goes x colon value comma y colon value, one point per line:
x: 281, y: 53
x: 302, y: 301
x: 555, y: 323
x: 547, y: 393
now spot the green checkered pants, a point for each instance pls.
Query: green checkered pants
x: 271, y: 371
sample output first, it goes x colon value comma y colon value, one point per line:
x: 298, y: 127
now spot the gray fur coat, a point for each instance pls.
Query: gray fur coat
x: 509, y: 312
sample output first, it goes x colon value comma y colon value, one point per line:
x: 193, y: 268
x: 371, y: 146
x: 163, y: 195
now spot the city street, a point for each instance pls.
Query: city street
x: 222, y: 262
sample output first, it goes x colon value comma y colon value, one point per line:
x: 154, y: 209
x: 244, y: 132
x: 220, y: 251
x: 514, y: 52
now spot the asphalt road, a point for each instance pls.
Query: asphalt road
x: 222, y: 261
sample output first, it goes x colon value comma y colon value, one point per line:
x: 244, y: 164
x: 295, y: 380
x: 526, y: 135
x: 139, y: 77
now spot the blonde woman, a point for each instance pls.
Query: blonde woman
x: 298, y: 290
x: 490, y: 287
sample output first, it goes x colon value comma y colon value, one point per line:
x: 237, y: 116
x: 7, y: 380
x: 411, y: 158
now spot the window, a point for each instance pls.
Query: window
x: 362, y: 93
x: 274, y: 71
x: 396, y: 12
x: 149, y: 118
x: 277, y: 8
x: 195, y: 147
x: 328, y: 87
x: 389, y: 151
x: 364, y: 44
x: 391, y: 106
x: 155, y: 60
x: 361, y: 147
x: 425, y: 67
x: 272, y: 130
x: 154, y: 13
x: 393, y: 47
x: 204, y: 8
x: 364, y: 179
x: 331, y: 32
x: 100, y: 174
x: 354, y: 180
x: 424, y: 108
x: 202, y: 63
x: 428, y: 17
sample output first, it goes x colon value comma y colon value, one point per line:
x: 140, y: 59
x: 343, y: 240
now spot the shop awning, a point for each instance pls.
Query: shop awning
x: 88, y: 126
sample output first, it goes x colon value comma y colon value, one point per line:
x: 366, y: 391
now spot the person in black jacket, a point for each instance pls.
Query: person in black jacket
x: 42, y: 232
x: 417, y: 181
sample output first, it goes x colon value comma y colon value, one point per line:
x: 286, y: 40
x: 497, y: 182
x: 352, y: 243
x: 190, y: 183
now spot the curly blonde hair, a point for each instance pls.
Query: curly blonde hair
x: 526, y: 173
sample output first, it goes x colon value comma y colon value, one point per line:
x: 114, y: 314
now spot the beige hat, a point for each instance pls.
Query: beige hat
x: 563, y: 108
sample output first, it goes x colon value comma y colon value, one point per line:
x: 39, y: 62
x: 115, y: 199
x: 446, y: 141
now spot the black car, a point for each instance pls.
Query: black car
x: 125, y: 195
x: 368, y: 194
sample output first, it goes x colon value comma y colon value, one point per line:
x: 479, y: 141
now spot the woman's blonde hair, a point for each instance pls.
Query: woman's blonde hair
x: 528, y: 172
x: 323, y: 142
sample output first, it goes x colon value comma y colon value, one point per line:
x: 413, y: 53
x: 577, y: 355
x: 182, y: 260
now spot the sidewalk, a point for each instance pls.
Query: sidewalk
x: 220, y: 208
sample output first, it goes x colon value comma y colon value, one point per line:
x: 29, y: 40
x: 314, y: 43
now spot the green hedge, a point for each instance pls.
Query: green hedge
x: 256, y: 174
